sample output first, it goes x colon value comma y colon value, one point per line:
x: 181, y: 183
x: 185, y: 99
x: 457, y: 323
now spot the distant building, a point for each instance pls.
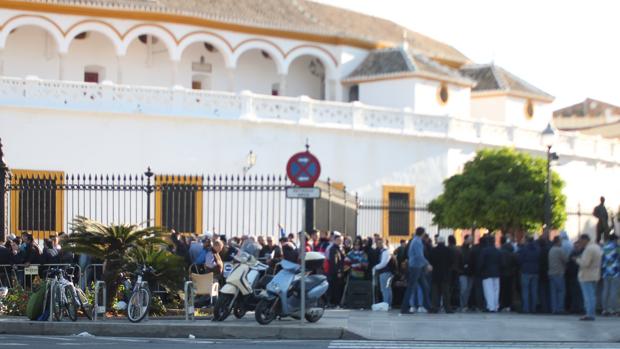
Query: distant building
x: 590, y: 117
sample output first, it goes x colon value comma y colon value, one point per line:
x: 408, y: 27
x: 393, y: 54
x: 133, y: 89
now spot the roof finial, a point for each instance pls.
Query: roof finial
x: 405, y: 37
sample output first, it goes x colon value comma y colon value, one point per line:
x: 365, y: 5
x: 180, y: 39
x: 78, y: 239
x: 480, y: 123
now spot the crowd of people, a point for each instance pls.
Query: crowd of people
x: 539, y: 275
x: 492, y: 274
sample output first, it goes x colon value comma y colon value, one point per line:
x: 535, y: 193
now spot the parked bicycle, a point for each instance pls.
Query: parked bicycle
x: 140, y: 299
x: 63, y: 295
x: 81, y: 299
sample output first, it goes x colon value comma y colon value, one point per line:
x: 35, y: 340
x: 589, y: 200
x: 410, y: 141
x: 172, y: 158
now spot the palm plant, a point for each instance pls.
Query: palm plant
x: 112, y: 244
x: 169, y: 268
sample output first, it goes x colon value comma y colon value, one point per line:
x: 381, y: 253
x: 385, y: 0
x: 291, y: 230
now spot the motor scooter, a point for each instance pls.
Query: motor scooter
x: 282, y: 296
x: 238, y: 294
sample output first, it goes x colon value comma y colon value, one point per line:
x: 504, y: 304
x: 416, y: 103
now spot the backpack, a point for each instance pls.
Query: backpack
x: 36, y: 302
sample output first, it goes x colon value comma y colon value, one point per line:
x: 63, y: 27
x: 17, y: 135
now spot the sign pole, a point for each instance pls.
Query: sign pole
x: 304, y: 169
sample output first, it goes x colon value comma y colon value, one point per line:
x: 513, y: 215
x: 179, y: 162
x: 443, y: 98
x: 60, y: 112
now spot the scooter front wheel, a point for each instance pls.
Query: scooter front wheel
x: 265, y: 311
x: 222, y: 307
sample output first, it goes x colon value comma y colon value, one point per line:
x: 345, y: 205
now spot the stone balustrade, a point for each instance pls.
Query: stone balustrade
x: 249, y: 107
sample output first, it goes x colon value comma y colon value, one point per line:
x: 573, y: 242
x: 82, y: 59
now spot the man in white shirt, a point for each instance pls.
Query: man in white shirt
x: 383, y: 272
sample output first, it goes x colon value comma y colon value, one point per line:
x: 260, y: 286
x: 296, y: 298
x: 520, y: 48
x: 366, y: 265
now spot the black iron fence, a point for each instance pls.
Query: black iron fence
x: 44, y: 202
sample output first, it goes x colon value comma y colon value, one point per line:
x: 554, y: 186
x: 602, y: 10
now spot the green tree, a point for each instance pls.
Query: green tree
x: 113, y: 244
x: 500, y: 189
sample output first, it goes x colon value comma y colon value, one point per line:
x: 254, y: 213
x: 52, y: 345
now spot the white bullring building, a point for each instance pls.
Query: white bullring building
x: 192, y: 87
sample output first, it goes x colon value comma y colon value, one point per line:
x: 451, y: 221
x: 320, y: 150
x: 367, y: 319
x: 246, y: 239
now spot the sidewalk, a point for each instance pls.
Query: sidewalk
x: 348, y: 324
x: 508, y: 327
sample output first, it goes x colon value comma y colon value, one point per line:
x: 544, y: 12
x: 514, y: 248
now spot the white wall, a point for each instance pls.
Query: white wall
x: 108, y: 143
x: 31, y: 51
x: 255, y: 73
x: 397, y: 93
x: 78, y: 141
x: 489, y: 108
x: 511, y: 110
x: 427, y: 100
x: 515, y: 113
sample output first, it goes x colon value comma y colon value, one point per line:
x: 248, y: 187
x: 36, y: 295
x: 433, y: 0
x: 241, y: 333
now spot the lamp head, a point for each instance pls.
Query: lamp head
x: 548, y: 136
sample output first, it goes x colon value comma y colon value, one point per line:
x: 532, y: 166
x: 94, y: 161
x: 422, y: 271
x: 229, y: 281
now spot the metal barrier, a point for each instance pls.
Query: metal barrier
x: 188, y: 300
x: 52, y: 287
x: 85, y: 276
x: 24, y: 274
x: 100, y: 285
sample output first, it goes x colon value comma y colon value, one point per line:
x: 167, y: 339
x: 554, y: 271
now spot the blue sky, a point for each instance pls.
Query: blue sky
x: 570, y: 49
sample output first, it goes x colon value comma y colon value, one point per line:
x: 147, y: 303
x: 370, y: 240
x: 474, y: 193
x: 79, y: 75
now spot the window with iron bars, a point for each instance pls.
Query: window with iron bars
x: 36, y: 202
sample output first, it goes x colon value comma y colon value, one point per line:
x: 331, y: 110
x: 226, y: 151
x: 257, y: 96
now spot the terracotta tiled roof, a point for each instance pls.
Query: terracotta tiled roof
x: 400, y: 61
x: 290, y: 15
x: 589, y: 107
x: 490, y: 77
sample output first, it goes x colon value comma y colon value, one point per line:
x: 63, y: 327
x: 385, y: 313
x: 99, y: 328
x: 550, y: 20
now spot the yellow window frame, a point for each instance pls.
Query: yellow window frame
x: 401, y: 189
x: 59, y: 178
x: 161, y: 180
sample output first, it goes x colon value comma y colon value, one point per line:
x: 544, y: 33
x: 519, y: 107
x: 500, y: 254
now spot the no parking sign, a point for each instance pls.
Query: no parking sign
x: 303, y: 169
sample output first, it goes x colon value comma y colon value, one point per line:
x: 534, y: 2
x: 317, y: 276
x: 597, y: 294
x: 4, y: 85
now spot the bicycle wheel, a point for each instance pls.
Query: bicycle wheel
x: 70, y: 303
x: 84, y: 304
x: 57, y: 303
x: 138, y: 305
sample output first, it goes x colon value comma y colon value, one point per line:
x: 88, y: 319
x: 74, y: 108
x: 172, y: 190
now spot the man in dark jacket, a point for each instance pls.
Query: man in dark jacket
x: 335, y: 273
x: 457, y: 271
x: 544, y: 295
x: 490, y: 264
x: 476, y: 289
x: 442, y: 259
x: 508, y: 274
x: 466, y: 279
x: 529, y: 260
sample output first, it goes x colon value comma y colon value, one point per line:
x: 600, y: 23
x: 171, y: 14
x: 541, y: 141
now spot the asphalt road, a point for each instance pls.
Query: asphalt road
x: 145, y: 343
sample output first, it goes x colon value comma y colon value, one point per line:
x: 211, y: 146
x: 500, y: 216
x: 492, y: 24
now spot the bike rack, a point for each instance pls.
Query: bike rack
x: 189, y: 301
x: 100, y: 308
x: 52, y: 285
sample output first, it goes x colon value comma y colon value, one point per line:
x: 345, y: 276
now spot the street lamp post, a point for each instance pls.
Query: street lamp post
x: 548, y: 138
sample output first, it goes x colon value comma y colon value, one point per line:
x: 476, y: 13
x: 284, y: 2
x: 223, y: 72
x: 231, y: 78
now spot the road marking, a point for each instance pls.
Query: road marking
x: 481, y: 345
x: 12, y: 344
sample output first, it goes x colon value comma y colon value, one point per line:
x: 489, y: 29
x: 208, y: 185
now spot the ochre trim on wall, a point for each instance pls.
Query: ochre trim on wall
x: 189, y: 20
x: 410, y: 75
x: 59, y: 179
x: 181, y: 180
x: 406, y: 189
x: 499, y: 93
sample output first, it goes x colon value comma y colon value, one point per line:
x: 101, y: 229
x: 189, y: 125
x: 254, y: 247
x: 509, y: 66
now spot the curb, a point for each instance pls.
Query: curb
x: 176, y: 330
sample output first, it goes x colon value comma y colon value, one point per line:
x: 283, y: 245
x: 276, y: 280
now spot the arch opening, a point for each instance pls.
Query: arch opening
x: 307, y: 76
x: 256, y: 71
x: 31, y: 51
x: 202, y: 67
x: 91, y: 59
